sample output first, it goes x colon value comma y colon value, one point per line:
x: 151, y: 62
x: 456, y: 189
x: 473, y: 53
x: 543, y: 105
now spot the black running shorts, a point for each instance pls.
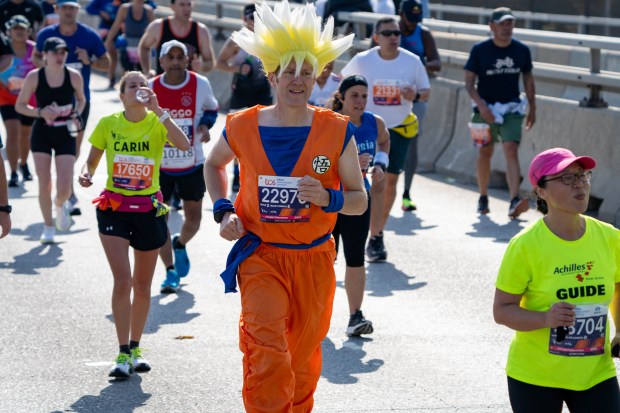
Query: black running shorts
x: 144, y: 231
x: 190, y: 187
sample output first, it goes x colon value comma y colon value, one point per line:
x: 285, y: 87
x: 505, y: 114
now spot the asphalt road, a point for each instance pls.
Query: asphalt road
x: 435, y: 346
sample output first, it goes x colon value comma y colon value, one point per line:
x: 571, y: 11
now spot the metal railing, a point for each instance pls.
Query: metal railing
x: 591, y: 77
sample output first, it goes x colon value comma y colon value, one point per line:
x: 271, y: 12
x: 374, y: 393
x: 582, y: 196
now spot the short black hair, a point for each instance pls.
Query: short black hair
x: 384, y: 20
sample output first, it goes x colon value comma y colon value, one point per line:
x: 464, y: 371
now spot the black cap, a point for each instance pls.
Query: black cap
x: 248, y: 11
x: 502, y: 13
x: 412, y: 9
x: 53, y: 44
x: 349, y: 82
x: 17, y: 20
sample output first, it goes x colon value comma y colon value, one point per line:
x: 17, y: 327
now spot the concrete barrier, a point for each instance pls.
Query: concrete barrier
x: 560, y: 123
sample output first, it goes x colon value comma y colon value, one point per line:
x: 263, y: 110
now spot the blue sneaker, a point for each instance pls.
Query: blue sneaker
x: 181, y: 260
x: 171, y: 283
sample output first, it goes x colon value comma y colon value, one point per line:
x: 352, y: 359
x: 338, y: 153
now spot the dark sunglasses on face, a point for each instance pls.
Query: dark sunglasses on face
x: 388, y: 33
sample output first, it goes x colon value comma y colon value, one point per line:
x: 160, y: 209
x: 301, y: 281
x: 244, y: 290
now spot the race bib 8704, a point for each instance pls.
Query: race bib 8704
x: 278, y: 200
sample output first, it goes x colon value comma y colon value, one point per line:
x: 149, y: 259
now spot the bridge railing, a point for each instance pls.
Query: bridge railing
x: 593, y: 77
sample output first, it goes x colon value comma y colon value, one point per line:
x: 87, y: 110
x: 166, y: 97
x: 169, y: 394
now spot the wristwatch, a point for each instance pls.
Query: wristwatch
x: 164, y: 116
x: 6, y: 208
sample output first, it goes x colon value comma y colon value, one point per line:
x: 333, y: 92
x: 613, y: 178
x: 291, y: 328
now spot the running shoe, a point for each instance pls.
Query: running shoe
x: 13, y: 180
x: 140, y: 365
x: 171, y: 283
x: 375, y: 251
x: 63, y: 218
x: 358, y: 325
x: 47, y: 237
x: 123, y: 367
x: 74, y: 209
x: 181, y: 260
x: 483, y: 205
x: 517, y: 207
x: 26, y: 175
x: 408, y: 205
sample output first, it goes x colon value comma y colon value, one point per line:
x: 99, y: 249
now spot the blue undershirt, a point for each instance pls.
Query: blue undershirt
x: 284, y: 144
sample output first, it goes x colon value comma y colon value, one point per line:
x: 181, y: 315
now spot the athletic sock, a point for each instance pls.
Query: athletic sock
x: 170, y: 268
x: 178, y: 245
x: 406, y: 194
x: 133, y: 344
x: 124, y: 348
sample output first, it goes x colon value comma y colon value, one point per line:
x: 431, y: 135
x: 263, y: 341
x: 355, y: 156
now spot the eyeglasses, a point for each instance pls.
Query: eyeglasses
x: 569, y: 179
x: 388, y: 33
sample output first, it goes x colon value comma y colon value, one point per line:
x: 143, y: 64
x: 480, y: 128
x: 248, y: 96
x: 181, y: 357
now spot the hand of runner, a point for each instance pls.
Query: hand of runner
x: 364, y: 159
x: 311, y: 190
x: 560, y: 314
x: 487, y: 115
x: 231, y: 227
x: 205, y: 136
x: 377, y: 173
x: 85, y: 180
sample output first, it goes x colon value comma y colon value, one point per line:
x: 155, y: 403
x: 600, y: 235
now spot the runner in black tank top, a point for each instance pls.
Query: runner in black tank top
x: 55, y: 136
x: 190, y: 40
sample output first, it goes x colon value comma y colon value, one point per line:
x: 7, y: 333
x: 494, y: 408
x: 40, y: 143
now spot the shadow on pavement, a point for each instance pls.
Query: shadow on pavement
x: 382, y: 279
x: 407, y: 224
x: 340, y: 365
x: 40, y: 257
x: 119, y: 397
x: 173, y: 312
x: 487, y: 228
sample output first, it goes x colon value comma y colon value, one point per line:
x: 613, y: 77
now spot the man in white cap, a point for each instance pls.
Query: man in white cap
x: 188, y: 97
x: 492, y: 80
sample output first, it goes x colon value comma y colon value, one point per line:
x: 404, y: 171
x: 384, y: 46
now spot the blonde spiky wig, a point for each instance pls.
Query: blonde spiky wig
x: 281, y: 35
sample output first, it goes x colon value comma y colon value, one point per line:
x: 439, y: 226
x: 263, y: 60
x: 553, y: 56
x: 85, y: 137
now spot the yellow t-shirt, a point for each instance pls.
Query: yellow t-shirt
x: 546, y: 269
x: 133, y: 152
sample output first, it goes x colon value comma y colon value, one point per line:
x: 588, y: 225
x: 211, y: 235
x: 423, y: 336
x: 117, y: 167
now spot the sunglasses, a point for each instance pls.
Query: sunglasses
x: 388, y: 33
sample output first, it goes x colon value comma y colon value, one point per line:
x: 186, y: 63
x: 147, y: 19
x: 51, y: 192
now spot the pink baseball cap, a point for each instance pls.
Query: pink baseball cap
x: 556, y: 160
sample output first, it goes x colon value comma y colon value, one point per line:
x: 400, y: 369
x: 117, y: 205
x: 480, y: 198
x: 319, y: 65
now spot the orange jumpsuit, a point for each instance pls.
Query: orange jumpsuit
x: 286, y: 294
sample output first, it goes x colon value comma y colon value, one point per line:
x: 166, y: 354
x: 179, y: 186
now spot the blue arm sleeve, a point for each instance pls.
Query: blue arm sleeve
x: 208, y: 118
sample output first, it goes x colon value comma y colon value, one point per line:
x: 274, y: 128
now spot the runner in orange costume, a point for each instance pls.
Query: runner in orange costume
x: 293, y: 158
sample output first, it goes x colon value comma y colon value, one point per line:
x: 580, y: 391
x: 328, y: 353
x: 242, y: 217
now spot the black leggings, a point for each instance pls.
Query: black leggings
x: 529, y: 398
x: 354, y: 230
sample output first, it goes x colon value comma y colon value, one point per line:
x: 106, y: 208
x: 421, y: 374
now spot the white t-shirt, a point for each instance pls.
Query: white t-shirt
x: 385, y: 78
x: 321, y: 96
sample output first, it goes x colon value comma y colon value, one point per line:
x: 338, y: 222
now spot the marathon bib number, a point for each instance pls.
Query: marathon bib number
x: 176, y: 159
x: 278, y: 200
x: 586, y: 337
x: 63, y: 113
x: 75, y: 65
x: 132, y: 172
x: 386, y: 93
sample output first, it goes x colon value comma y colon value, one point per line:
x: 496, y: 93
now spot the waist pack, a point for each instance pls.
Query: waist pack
x: 123, y: 203
x: 409, y: 127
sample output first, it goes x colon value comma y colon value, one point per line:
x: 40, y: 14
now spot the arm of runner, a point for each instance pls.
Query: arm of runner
x: 116, y: 26
x: 26, y: 92
x: 433, y: 61
x: 355, y: 198
x: 148, y: 40
x: 206, y: 50
x: 78, y: 89
x: 175, y: 134
x: 231, y: 227
x: 88, y: 170
x: 383, y: 145
x: 530, y: 93
x: 615, y: 314
x: 508, y: 311
x: 470, y: 86
x: 229, y: 50
x: 5, y: 217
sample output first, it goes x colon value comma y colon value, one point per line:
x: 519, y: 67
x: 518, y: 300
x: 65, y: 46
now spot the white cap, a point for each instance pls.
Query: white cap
x: 165, y: 48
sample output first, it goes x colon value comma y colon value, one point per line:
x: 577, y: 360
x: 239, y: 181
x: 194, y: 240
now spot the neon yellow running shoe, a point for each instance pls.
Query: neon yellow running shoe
x: 408, y: 205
